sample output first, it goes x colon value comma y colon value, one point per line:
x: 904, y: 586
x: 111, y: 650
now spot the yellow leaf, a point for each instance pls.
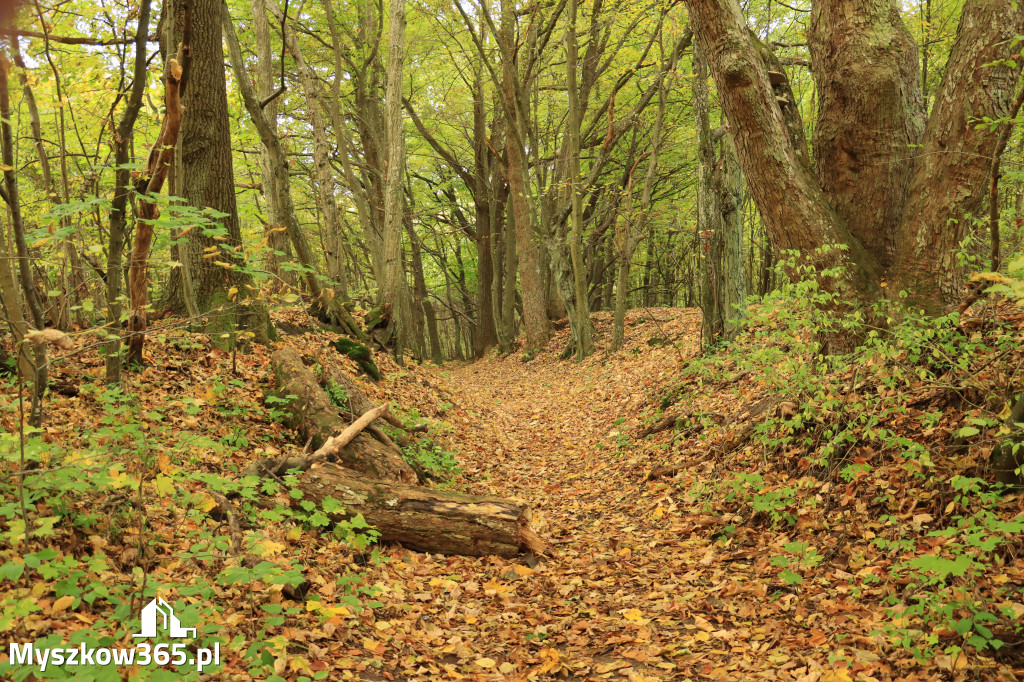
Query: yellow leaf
x: 658, y: 513
x: 206, y: 503
x: 610, y: 667
x: 486, y: 662
x: 164, y: 485
x: 270, y: 548
x: 221, y: 263
x: 506, y: 668
x: 633, y: 615
x: 294, y: 533
x: 118, y: 479
x: 64, y: 603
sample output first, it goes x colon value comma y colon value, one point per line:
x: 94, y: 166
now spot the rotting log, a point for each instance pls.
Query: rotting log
x: 425, y: 519
x: 317, y: 419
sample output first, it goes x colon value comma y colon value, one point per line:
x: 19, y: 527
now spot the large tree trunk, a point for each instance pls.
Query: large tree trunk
x: 868, y: 197
x: 424, y: 519
x: 870, y: 114
x: 208, y: 181
x: 948, y: 184
x: 795, y: 210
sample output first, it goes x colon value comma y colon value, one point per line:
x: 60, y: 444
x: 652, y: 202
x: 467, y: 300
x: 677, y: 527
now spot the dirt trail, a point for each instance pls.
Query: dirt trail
x: 642, y: 583
x: 628, y: 591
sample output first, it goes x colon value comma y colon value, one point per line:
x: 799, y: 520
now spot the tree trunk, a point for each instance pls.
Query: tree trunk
x: 396, y: 290
x: 424, y: 519
x: 870, y: 114
x: 507, y: 332
x: 486, y: 336
x: 534, y: 301
x: 277, y: 234
x: 317, y: 419
x: 208, y: 181
x: 709, y: 215
x: 728, y: 185
x: 948, y: 183
x: 326, y: 306
x: 575, y: 295
x: 868, y: 197
x: 119, y: 203
x: 161, y: 157
x: 39, y: 378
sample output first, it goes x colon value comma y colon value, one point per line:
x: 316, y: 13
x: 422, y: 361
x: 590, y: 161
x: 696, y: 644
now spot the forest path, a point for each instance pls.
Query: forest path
x: 634, y: 588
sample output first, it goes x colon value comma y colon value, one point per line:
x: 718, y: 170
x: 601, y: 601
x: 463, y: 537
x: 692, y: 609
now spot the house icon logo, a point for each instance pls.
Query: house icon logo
x: 158, y: 611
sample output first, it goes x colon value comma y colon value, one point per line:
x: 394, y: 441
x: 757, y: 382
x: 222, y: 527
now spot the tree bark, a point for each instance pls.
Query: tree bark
x: 535, y: 317
x: 208, y: 181
x: 161, y: 157
x: 424, y: 519
x: 317, y: 420
x: 948, y: 184
x: 277, y: 235
x: 870, y: 114
x: 39, y: 377
x: 868, y: 196
x: 327, y: 307
x: 396, y: 289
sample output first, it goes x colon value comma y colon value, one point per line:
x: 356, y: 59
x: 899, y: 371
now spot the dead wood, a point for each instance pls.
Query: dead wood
x: 424, y: 519
x: 316, y: 418
x: 333, y: 445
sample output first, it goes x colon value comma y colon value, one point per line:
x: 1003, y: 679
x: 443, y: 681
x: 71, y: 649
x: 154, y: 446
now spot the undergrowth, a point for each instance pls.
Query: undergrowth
x: 897, y: 429
x: 98, y: 525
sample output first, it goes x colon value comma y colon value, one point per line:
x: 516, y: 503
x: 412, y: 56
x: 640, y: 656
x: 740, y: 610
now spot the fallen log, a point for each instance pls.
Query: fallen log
x: 317, y: 420
x: 424, y: 519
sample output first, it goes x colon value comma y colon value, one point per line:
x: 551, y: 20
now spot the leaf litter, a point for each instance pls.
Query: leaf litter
x: 642, y: 581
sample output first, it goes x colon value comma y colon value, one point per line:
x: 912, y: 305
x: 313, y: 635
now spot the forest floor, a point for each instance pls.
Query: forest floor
x: 654, y: 570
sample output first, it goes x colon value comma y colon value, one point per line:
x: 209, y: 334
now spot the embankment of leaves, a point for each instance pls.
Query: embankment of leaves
x: 121, y: 494
x: 870, y: 467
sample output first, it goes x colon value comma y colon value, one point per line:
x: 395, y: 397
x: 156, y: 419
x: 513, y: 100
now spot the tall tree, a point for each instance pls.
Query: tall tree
x: 396, y: 289
x: 718, y: 215
x: 208, y: 181
x: 897, y: 193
